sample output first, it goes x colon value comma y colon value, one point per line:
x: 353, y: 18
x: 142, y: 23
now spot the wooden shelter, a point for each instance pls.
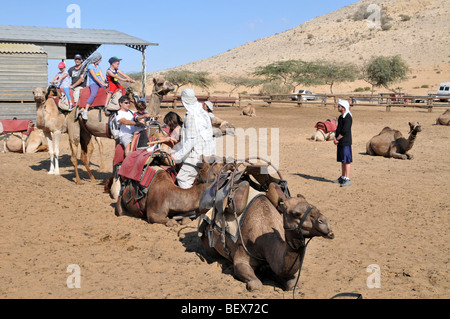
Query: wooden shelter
x: 24, y: 54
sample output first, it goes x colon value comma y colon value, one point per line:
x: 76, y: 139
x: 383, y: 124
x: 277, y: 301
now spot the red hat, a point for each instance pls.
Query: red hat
x: 61, y: 65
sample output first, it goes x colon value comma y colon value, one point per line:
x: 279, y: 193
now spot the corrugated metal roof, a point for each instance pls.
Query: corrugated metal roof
x: 28, y: 34
x: 20, y: 48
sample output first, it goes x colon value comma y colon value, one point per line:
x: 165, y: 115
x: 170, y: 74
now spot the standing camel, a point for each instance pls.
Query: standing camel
x: 391, y: 143
x: 53, y: 123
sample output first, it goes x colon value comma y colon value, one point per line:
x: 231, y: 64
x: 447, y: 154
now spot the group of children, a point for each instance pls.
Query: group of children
x: 96, y: 79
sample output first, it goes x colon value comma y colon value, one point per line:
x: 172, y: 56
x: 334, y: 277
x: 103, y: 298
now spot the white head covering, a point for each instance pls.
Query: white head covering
x: 346, y: 106
x: 209, y: 105
x: 202, y: 120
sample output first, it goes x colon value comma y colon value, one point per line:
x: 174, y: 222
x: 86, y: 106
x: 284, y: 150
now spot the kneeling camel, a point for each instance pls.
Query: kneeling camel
x: 164, y: 199
x: 271, y: 237
x: 391, y: 143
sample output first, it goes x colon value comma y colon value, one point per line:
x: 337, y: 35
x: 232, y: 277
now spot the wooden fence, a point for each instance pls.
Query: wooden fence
x: 388, y: 100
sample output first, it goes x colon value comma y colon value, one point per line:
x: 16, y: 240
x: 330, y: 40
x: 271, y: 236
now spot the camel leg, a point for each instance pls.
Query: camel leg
x: 100, y: 149
x: 51, y: 152
x: 244, y: 272
x: 155, y: 218
x: 86, y: 151
x: 398, y: 156
x: 57, y: 138
x: 119, y: 211
x: 74, y: 159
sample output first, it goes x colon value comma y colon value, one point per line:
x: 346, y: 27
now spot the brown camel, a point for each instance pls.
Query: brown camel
x: 164, y: 199
x: 391, y: 143
x: 270, y: 238
x: 444, y: 119
x: 249, y: 110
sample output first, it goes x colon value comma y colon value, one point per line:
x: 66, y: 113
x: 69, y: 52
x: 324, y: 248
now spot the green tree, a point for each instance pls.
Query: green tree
x: 331, y: 73
x: 237, y: 81
x: 291, y: 73
x: 383, y: 71
x: 184, y: 77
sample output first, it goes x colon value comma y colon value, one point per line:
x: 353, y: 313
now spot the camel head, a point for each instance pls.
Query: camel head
x: 52, y: 91
x: 211, y: 167
x: 294, y: 210
x: 315, y: 223
x: 415, y: 128
x: 162, y: 87
x: 39, y: 95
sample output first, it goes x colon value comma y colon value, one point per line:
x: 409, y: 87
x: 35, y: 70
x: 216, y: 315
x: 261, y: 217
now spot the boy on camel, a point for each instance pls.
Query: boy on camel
x: 113, y: 75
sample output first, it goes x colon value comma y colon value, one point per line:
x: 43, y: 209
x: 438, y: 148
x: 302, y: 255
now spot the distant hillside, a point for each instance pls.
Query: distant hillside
x: 419, y: 32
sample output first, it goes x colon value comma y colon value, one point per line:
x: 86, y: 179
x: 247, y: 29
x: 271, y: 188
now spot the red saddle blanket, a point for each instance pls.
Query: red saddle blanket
x: 11, y: 126
x: 133, y: 165
x: 99, y: 100
x: 327, y: 126
x: 133, y: 168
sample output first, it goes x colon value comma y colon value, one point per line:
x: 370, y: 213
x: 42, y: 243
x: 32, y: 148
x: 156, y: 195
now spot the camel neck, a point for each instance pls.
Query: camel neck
x: 411, y: 139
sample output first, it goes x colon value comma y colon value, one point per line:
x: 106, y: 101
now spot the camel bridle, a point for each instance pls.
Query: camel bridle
x: 298, y: 230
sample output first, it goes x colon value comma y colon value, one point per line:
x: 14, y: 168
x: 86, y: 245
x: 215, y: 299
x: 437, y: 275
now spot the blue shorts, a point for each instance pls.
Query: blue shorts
x: 344, y: 154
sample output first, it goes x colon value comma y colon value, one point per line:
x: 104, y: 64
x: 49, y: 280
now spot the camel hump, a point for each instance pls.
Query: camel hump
x: 386, y: 130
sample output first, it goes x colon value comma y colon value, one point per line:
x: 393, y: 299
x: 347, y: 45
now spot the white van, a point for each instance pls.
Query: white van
x: 444, y: 89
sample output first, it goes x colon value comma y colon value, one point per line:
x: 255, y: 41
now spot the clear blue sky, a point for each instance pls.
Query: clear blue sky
x: 186, y: 31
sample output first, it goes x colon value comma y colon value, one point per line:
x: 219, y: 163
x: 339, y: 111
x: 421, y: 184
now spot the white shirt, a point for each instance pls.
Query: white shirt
x: 125, y: 129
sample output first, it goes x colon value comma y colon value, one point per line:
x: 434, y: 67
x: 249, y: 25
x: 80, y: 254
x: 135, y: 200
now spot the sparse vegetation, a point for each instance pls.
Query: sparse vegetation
x: 274, y: 87
x: 405, y: 17
x: 184, y: 77
x: 236, y: 82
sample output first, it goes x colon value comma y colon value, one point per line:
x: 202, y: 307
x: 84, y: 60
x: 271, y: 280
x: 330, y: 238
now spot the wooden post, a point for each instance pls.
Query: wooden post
x: 144, y: 71
x: 430, y: 104
x: 388, y: 106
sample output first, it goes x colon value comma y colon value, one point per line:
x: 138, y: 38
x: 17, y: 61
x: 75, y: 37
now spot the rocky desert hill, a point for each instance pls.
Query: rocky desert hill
x: 417, y: 30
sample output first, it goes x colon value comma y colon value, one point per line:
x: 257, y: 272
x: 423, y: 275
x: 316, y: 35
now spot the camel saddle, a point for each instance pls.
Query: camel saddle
x: 227, y: 223
x: 327, y: 126
x: 99, y: 100
x: 227, y: 200
x: 136, y: 164
x: 16, y: 126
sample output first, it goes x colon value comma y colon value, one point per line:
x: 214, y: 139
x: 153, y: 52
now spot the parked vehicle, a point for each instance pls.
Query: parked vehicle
x: 307, y: 95
x: 444, y: 90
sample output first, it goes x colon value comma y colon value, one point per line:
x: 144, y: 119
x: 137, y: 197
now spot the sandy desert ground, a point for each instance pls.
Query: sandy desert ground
x: 395, y: 215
